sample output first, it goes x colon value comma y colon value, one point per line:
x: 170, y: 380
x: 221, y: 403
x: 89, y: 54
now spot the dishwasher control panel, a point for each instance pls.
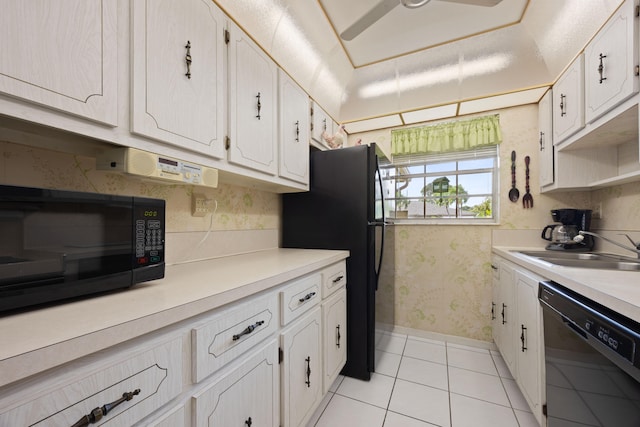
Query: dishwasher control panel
x: 592, y: 321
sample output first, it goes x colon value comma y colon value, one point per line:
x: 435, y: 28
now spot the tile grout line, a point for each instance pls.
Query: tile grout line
x: 395, y: 379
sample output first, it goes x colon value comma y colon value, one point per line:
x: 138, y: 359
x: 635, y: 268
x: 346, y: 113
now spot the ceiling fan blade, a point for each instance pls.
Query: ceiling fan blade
x: 368, y: 19
x: 486, y: 3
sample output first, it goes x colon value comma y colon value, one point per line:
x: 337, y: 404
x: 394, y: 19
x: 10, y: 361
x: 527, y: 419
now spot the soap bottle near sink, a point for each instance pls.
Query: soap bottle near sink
x: 561, y: 236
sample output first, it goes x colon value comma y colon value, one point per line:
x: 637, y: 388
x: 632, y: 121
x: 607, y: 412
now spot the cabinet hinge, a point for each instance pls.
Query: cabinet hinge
x: 544, y: 409
x: 227, y: 36
x: 227, y: 143
x: 637, y: 70
x: 280, y: 355
x: 637, y: 11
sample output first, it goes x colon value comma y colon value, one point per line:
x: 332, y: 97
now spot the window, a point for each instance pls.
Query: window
x: 458, y: 187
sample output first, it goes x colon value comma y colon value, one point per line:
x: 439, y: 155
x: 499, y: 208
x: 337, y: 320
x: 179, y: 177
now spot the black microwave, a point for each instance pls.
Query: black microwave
x: 57, y: 244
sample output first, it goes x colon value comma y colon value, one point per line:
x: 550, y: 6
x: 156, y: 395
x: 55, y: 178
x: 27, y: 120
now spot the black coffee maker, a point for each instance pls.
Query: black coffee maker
x: 571, y: 222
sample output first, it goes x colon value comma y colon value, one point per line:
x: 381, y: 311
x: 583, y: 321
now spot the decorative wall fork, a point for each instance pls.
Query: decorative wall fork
x: 527, y: 199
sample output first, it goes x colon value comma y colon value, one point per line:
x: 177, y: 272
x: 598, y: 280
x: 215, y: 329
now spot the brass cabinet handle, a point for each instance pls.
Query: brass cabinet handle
x: 601, y: 68
x: 308, y: 381
x: 187, y: 59
x: 98, y: 413
x: 307, y: 297
x: 562, y: 105
x: 522, y: 337
x: 248, y: 330
x: 258, y: 105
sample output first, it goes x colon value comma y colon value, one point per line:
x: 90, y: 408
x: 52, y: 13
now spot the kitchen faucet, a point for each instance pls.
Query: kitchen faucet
x: 580, y: 237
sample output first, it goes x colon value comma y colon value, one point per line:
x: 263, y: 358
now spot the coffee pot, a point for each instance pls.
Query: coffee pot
x: 559, y: 233
x: 569, y: 222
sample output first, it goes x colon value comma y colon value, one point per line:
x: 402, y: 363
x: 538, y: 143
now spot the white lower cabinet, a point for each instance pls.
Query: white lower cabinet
x: 246, y: 396
x: 529, y: 331
x: 263, y: 360
x: 521, y: 342
x: 504, y: 318
x: 301, y: 369
x: 334, y: 322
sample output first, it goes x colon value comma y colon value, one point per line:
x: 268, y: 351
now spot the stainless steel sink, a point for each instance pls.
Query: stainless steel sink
x: 603, y: 261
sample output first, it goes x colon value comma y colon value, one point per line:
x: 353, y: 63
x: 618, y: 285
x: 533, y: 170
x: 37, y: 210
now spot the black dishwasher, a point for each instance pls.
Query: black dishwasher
x: 591, y: 361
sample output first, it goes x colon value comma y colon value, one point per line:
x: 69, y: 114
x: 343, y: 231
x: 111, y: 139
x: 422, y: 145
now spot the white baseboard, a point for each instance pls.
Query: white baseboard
x: 394, y: 329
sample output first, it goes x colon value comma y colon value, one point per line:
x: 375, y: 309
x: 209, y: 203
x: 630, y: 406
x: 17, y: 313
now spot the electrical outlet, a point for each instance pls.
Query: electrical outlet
x: 200, y: 205
x: 597, y: 211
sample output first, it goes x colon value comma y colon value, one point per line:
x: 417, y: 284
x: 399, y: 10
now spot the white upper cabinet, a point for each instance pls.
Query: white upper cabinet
x: 568, y: 102
x: 253, y: 92
x: 294, y: 130
x: 61, y: 54
x: 320, y: 123
x: 546, y: 142
x: 178, y: 68
x: 611, y: 61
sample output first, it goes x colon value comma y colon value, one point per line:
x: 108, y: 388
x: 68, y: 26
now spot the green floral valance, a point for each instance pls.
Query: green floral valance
x: 461, y: 135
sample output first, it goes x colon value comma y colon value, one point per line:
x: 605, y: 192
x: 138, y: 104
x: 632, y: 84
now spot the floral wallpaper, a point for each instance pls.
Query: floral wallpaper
x: 239, y: 208
x: 437, y: 278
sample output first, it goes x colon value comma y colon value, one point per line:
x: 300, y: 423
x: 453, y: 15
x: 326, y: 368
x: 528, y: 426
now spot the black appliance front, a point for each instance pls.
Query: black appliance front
x: 62, y: 244
x: 339, y: 213
x: 592, y: 362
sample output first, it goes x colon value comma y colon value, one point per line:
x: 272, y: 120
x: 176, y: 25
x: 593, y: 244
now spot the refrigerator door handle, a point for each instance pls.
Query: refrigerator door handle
x: 382, y: 223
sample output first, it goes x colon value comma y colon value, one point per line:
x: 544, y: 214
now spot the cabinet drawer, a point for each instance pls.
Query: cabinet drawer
x: 299, y: 297
x: 248, y: 395
x: 231, y: 332
x: 59, y: 401
x: 334, y: 277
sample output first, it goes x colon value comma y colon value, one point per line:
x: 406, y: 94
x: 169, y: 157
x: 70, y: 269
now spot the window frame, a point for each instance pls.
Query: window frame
x: 400, y: 161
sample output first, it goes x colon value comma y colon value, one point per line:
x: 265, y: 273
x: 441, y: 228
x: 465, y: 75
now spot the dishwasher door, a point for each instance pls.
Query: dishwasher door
x: 587, y: 384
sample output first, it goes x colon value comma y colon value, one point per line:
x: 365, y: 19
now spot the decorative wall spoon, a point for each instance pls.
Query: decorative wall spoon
x: 514, y: 194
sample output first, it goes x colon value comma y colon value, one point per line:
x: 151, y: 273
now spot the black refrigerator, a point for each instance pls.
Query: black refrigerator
x: 344, y: 209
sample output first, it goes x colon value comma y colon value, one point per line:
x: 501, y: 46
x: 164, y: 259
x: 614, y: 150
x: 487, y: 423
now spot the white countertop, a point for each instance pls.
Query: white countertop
x: 618, y: 290
x: 36, y: 340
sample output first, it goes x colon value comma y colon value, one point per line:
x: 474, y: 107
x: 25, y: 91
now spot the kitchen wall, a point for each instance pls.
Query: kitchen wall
x: 437, y: 278
x: 246, y: 219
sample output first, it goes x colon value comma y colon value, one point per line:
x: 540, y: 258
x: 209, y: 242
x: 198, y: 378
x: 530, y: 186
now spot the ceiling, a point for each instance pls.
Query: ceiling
x: 440, y: 60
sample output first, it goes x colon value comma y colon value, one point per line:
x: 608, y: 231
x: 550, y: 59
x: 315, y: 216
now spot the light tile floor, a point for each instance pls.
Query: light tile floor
x: 425, y: 383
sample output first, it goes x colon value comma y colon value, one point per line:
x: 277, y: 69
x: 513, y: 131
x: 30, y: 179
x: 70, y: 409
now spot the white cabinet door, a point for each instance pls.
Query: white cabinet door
x: 253, y: 92
x: 246, y: 396
x: 546, y: 157
x: 61, y: 54
x: 334, y: 322
x: 301, y: 369
x: 611, y: 59
x: 294, y: 130
x: 320, y: 123
x: 529, y: 331
x: 506, y: 315
x: 568, y: 102
x: 177, y: 60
